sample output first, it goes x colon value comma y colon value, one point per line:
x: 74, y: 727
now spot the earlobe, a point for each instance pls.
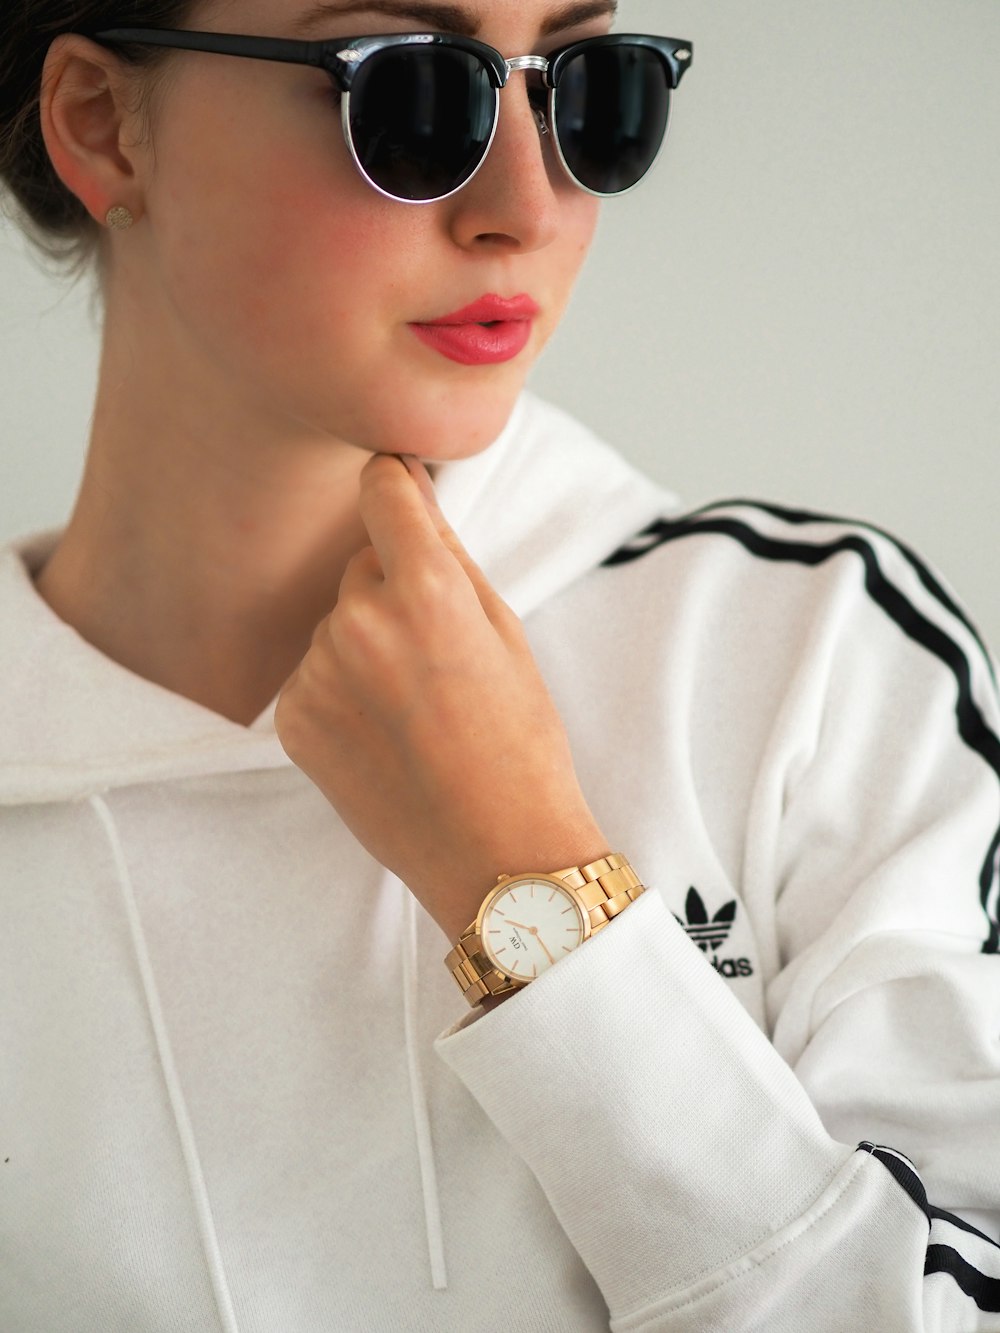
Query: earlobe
x: 83, y: 122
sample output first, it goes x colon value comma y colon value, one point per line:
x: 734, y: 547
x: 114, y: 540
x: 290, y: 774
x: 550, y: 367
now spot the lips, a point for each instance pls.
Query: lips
x: 491, y: 330
x: 489, y: 310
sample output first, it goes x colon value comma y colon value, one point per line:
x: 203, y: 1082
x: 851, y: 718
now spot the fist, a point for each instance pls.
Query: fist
x: 421, y: 715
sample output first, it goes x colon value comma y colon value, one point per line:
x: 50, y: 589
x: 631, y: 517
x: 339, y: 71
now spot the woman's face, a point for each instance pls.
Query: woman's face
x: 298, y: 283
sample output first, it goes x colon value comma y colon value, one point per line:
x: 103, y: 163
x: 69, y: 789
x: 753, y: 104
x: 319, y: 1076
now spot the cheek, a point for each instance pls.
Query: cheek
x: 580, y: 215
x: 291, y: 276
x: 268, y: 234
x: 581, y: 235
x: 313, y: 262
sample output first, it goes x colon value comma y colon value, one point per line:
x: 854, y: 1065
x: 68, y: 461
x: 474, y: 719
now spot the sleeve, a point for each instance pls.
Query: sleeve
x: 713, y: 1178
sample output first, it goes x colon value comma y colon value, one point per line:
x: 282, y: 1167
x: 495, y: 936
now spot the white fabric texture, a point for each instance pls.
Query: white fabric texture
x: 766, y: 1097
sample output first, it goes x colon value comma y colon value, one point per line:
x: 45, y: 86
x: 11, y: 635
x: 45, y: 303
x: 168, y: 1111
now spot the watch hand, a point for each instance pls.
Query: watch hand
x: 532, y: 930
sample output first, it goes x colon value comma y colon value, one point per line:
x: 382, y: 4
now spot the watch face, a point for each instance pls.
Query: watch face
x: 530, y: 925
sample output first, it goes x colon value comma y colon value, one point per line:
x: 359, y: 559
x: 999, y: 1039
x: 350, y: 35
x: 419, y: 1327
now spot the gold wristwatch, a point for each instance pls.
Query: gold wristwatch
x: 528, y: 922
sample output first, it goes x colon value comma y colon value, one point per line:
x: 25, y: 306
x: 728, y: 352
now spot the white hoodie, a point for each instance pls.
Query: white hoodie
x: 239, y: 1089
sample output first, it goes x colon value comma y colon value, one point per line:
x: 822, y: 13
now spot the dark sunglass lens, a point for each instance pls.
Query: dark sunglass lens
x: 421, y: 119
x: 612, y: 105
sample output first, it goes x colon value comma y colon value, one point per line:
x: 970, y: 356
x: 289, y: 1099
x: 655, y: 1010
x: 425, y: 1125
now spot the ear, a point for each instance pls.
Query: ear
x: 88, y: 127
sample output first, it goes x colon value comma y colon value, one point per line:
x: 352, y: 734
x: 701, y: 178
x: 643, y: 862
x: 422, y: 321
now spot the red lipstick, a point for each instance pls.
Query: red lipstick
x: 491, y: 330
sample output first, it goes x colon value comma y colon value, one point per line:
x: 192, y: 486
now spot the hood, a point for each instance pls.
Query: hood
x: 542, y: 505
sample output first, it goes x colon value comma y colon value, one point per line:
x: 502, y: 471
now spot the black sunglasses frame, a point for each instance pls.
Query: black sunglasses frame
x: 343, y: 57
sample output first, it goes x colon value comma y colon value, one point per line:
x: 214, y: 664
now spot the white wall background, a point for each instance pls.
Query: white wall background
x: 802, y: 304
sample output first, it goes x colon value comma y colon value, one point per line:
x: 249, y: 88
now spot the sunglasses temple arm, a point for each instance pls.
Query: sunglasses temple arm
x: 323, y: 55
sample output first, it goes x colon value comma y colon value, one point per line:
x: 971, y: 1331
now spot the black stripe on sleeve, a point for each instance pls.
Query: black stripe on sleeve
x: 979, y: 1287
x: 920, y: 568
x: 972, y: 726
x: 904, y: 1171
x: 961, y: 1223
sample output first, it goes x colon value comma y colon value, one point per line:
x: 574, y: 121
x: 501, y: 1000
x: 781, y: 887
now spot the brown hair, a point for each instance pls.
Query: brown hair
x: 31, y: 193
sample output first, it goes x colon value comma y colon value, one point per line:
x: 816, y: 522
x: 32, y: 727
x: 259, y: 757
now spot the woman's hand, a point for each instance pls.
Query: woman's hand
x: 421, y: 715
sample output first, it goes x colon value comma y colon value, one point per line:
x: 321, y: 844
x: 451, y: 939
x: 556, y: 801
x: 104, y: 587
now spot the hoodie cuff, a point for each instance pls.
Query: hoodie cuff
x: 667, y: 1133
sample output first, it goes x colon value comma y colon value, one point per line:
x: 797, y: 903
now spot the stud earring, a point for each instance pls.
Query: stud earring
x: 119, y: 218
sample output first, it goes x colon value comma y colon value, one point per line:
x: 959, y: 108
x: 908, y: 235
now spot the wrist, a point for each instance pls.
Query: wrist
x: 530, y: 920
x: 544, y: 854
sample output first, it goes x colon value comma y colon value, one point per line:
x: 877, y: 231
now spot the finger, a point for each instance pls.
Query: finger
x: 406, y: 525
x: 362, y: 573
x: 356, y: 626
x: 446, y: 532
x: 360, y: 584
x: 395, y: 515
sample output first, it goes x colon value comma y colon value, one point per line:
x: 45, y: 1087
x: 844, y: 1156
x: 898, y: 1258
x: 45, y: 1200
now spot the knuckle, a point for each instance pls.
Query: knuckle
x: 364, y: 561
x: 357, y: 632
x: 353, y: 616
x: 362, y: 570
x: 431, y: 582
x: 319, y: 632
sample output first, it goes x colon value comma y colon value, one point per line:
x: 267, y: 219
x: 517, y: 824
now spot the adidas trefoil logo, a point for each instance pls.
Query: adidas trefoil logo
x: 712, y: 934
x: 707, y: 933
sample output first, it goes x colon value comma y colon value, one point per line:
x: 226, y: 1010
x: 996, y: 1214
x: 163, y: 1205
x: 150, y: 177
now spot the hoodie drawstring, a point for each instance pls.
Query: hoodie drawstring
x: 182, y: 1120
x: 206, y: 1224
x: 418, y: 1093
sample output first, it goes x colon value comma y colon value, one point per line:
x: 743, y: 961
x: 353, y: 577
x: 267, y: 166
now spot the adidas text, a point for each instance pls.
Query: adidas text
x: 733, y: 967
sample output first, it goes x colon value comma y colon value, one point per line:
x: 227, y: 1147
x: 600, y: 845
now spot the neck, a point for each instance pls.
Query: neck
x: 201, y: 568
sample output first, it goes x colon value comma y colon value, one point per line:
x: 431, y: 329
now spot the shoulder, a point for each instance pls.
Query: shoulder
x: 800, y: 566
x: 826, y: 653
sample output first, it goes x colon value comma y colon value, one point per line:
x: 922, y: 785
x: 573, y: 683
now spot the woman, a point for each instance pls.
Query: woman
x: 288, y: 708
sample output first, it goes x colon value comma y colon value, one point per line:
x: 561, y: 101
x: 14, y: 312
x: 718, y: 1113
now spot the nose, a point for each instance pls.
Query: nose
x: 514, y: 200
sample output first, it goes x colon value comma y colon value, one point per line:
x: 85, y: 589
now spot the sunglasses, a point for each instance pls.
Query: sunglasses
x: 420, y: 110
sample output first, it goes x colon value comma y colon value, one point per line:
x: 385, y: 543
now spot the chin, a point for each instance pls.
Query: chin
x: 445, y: 424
